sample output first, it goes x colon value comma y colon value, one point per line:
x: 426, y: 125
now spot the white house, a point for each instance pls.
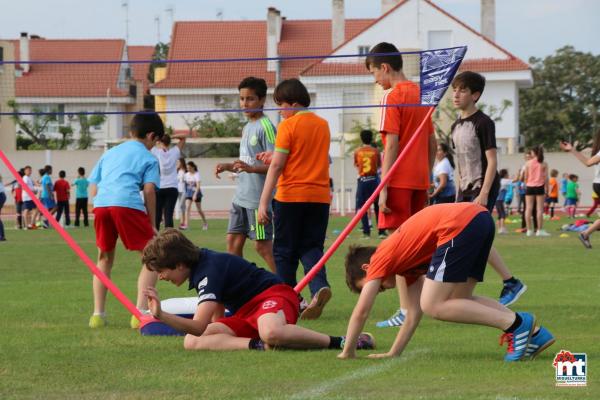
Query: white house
x: 332, y: 81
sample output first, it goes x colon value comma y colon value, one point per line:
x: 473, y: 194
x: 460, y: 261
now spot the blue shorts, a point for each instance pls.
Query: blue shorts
x: 48, y: 203
x: 29, y: 205
x: 466, y: 255
x: 570, y: 202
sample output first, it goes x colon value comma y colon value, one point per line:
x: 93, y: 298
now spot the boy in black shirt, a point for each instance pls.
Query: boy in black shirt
x: 264, y: 309
x: 476, y: 175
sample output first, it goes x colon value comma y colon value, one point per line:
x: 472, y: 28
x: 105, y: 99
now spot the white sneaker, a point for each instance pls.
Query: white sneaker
x: 542, y: 233
x: 502, y: 231
x: 529, y: 233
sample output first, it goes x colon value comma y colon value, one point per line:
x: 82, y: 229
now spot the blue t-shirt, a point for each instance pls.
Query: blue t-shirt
x: 228, y: 279
x: 45, y: 182
x: 121, y: 173
x: 81, y: 185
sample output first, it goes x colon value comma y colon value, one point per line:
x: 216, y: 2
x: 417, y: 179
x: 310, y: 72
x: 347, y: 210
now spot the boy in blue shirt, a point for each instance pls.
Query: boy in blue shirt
x: 81, y: 197
x: 264, y: 309
x: 119, y: 211
x: 47, y: 195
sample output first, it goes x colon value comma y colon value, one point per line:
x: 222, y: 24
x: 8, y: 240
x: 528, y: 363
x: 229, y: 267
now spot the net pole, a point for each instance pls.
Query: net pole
x: 338, y: 241
x: 71, y: 242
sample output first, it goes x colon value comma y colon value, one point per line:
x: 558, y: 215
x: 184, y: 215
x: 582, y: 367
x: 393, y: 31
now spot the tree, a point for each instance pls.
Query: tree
x: 33, y: 129
x: 230, y: 126
x: 564, y: 102
x: 86, y: 122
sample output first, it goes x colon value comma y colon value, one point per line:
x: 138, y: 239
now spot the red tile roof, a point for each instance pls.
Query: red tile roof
x: 244, y: 39
x: 71, y: 80
x: 140, y: 70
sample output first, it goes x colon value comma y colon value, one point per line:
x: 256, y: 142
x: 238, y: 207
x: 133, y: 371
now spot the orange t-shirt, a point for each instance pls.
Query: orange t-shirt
x: 366, y: 160
x: 413, y: 172
x: 413, y: 244
x: 304, y: 137
x: 553, y: 187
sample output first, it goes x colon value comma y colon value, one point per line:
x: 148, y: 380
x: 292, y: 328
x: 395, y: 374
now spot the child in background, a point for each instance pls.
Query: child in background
x: 505, y: 184
x: 2, y: 201
x: 572, y: 195
x: 17, y: 192
x: 193, y: 195
x: 47, y: 192
x: 81, y: 197
x: 596, y: 203
x: 508, y: 198
x: 300, y: 170
x: 29, y: 207
x: 536, y: 179
x: 563, y: 188
x: 180, y: 206
x: 119, y: 210
x: 63, y: 193
x: 552, y: 198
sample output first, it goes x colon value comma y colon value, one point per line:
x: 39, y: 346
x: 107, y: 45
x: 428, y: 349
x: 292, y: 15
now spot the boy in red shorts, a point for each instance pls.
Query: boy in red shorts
x: 406, y: 192
x: 264, y: 309
x: 450, y: 243
x: 119, y: 210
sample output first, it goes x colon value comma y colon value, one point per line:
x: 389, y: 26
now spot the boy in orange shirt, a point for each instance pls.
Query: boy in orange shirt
x: 552, y: 198
x: 300, y: 169
x: 449, y: 243
x: 406, y: 192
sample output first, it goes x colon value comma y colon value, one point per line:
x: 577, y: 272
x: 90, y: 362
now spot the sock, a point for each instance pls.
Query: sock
x: 256, y: 344
x: 102, y: 314
x: 20, y: 221
x: 511, y: 280
x: 336, y: 342
x: 536, y: 332
x: 403, y: 310
x: 552, y: 212
x: 515, y: 324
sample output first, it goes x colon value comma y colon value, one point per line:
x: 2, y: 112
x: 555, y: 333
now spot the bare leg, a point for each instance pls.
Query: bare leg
x: 593, y: 227
x: 465, y: 291
x: 265, y: 249
x: 540, y: 211
x: 199, y: 208
x: 497, y: 263
x: 275, y: 331
x: 402, y: 289
x: 529, y: 211
x: 188, y: 211
x: 146, y: 278
x: 437, y: 301
x: 217, y: 336
x: 235, y: 243
x: 105, y: 263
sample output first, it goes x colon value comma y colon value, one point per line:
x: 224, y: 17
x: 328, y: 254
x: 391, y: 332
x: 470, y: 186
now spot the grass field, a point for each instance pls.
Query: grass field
x: 47, y: 351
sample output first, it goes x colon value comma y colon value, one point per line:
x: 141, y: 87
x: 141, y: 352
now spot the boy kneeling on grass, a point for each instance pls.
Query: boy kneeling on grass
x: 450, y: 243
x: 264, y: 310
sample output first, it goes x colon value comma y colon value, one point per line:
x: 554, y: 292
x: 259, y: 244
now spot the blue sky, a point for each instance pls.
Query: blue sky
x: 524, y: 27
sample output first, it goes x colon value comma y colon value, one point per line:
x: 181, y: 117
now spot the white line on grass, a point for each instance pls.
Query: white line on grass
x: 362, y: 373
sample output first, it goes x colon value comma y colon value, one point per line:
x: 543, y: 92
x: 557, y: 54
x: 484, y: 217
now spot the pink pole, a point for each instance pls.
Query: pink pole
x: 336, y: 244
x: 78, y: 250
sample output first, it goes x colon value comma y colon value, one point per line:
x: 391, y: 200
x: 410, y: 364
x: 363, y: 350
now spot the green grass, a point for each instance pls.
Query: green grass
x: 47, y: 351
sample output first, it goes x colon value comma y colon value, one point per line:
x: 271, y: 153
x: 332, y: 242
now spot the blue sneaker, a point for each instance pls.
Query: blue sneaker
x: 395, y: 320
x: 539, y: 342
x: 519, y: 339
x: 511, y: 292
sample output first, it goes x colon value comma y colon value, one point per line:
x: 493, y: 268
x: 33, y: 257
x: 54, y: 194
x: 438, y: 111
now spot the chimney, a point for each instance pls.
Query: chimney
x: 273, y: 36
x: 387, y: 5
x: 24, y: 52
x: 338, y: 23
x: 488, y: 19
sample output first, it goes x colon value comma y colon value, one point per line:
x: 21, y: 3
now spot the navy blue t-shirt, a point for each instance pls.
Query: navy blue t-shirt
x: 228, y: 279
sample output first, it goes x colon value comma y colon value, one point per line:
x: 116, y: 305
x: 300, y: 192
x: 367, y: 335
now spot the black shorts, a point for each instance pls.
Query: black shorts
x: 535, y: 191
x: 550, y: 200
x: 466, y: 255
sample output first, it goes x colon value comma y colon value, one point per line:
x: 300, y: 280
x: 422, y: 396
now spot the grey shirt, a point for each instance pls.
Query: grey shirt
x: 257, y: 136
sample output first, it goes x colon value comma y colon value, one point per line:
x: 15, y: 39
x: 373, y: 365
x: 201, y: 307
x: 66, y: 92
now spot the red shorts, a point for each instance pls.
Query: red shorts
x: 404, y: 203
x: 278, y: 297
x: 132, y: 226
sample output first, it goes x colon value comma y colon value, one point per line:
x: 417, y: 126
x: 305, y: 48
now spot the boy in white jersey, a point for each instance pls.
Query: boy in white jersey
x: 258, y: 136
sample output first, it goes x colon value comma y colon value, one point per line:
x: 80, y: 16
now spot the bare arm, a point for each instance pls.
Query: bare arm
x: 181, y: 142
x: 413, y: 318
x: 195, y: 326
x: 150, y: 201
x: 240, y: 166
x: 488, y: 180
x: 275, y: 169
x: 392, y: 146
x: 588, y: 162
x: 432, y: 150
x: 359, y: 317
x: 442, y: 185
x: 223, y: 167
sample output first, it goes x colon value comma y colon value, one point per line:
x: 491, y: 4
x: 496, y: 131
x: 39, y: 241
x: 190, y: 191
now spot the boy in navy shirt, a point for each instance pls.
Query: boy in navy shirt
x: 119, y: 210
x: 264, y: 309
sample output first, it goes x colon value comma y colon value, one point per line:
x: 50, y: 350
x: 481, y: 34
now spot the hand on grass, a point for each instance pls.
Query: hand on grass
x: 153, y: 301
x: 381, y: 355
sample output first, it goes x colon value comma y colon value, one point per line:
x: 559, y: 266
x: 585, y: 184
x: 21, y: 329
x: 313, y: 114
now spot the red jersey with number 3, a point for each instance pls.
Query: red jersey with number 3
x: 366, y: 160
